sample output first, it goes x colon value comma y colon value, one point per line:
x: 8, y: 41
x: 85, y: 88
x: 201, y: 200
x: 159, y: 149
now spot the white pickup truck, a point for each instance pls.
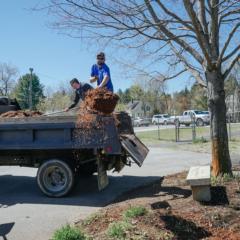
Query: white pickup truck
x: 199, y: 117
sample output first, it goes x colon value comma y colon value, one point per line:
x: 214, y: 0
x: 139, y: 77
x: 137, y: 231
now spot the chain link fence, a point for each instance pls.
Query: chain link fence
x: 191, y: 133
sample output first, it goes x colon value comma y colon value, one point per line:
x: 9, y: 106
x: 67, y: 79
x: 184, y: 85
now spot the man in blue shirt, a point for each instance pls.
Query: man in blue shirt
x: 100, y: 72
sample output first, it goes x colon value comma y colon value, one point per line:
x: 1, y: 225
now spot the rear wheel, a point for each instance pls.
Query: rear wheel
x: 199, y: 122
x: 55, y: 178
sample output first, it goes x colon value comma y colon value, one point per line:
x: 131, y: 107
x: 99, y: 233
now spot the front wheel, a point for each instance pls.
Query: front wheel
x: 55, y: 178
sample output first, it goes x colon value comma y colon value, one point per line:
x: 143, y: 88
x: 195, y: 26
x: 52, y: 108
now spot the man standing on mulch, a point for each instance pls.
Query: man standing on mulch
x: 100, y: 72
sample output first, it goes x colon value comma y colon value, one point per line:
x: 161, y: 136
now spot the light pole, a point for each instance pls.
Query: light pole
x: 30, y: 90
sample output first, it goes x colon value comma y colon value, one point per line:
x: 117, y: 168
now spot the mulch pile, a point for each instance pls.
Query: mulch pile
x: 98, y: 102
x: 21, y: 114
x: 101, y: 101
x: 172, y: 213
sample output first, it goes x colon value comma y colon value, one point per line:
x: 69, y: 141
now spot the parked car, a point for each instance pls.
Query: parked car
x: 137, y: 122
x: 160, y: 119
x: 171, y: 120
x: 200, y: 117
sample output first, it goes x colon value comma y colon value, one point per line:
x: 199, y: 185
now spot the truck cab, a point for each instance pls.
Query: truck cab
x: 7, y: 104
x: 200, y: 118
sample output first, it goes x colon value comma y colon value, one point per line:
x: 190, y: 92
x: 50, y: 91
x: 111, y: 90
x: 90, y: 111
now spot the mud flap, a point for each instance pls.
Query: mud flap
x: 135, y: 148
x: 102, y: 175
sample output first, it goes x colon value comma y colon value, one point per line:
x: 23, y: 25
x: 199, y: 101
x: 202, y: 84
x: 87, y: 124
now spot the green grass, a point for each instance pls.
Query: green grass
x: 200, y: 140
x: 136, y: 211
x: 118, y: 230
x: 220, y: 180
x: 170, y: 135
x: 69, y: 233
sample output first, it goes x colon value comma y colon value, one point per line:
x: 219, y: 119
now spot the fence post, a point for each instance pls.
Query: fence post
x: 229, y: 130
x: 193, y: 129
x: 177, y: 132
x: 158, y: 130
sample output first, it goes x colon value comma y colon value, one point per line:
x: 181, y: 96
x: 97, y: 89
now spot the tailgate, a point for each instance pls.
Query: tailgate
x: 134, y: 147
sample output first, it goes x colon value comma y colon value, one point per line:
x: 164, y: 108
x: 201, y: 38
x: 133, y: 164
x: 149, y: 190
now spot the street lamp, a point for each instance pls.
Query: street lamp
x: 30, y: 89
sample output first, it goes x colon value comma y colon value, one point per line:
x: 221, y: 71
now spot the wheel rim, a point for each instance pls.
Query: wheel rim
x: 200, y: 123
x: 55, y: 179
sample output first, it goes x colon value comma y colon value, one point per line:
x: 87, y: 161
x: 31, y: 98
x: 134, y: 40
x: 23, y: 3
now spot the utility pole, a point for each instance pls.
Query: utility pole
x: 30, y: 89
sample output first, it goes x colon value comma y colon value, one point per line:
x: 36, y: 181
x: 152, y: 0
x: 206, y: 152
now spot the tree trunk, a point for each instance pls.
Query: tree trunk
x: 221, y: 161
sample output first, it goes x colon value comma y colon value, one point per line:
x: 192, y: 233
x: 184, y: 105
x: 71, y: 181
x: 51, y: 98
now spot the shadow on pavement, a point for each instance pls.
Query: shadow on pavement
x: 154, y: 189
x: 5, y: 229
x: 22, y: 189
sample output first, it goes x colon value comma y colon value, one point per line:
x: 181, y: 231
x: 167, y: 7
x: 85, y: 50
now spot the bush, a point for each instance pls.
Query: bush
x: 68, y: 233
x: 135, y: 212
x: 200, y: 140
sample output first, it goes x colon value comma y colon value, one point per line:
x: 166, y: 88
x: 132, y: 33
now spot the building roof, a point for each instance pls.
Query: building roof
x: 133, y: 104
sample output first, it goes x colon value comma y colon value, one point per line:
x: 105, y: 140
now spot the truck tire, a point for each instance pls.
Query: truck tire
x: 199, y: 122
x: 55, y: 178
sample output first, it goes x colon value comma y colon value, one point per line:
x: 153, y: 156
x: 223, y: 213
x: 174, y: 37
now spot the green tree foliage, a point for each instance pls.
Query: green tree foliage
x: 22, y: 91
x: 182, y: 101
x: 125, y: 96
x: 56, y: 102
x: 198, y: 97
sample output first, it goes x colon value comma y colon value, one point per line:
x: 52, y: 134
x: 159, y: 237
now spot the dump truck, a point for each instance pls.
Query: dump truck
x: 62, y: 152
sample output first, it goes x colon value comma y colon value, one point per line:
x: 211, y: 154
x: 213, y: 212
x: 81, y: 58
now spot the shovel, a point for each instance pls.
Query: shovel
x: 49, y: 114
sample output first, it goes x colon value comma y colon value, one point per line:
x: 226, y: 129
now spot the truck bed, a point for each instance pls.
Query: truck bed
x: 56, y: 132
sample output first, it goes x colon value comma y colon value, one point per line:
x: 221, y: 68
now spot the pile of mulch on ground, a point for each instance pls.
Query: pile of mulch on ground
x: 101, y: 100
x: 171, y: 212
x: 21, y: 114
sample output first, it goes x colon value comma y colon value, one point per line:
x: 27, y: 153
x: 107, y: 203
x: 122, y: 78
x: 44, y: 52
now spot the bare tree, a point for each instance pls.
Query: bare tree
x: 8, y: 76
x: 202, y: 36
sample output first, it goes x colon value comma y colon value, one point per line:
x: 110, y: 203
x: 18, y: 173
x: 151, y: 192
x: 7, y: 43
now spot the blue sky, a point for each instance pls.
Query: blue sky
x: 27, y: 41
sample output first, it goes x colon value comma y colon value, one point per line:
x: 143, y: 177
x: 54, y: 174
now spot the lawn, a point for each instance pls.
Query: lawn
x: 202, y: 143
x: 170, y: 134
x: 185, y: 134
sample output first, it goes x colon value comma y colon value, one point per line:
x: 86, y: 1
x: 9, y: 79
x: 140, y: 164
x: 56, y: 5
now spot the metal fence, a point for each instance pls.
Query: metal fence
x: 192, y: 133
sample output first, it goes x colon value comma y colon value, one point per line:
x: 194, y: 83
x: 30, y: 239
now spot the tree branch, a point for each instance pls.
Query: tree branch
x: 230, y: 36
x: 193, y: 71
x: 232, y: 53
x: 229, y: 69
x: 170, y: 35
x: 201, y: 37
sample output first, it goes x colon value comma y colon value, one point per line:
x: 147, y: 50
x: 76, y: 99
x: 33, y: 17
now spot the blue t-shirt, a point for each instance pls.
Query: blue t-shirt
x: 101, y: 72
